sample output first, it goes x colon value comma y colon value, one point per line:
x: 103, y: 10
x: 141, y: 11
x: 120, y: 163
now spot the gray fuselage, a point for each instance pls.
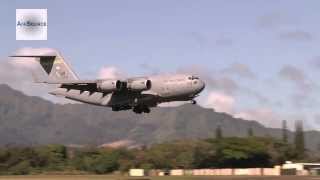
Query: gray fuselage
x: 165, y: 88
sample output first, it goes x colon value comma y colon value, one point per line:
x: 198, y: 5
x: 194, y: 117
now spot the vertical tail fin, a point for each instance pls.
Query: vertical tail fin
x: 52, y: 63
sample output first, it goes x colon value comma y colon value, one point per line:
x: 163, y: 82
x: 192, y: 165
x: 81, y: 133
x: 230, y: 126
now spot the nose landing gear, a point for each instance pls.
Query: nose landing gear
x: 193, y: 101
x: 141, y: 109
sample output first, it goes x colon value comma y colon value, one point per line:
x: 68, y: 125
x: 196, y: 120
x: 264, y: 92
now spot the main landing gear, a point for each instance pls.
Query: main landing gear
x: 193, y: 102
x: 141, y: 109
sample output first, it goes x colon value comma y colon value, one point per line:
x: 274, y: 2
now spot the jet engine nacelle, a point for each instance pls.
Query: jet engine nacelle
x: 109, y: 85
x: 139, y: 85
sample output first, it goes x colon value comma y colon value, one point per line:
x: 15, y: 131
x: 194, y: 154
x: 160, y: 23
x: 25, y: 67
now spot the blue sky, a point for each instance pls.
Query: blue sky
x: 276, y: 41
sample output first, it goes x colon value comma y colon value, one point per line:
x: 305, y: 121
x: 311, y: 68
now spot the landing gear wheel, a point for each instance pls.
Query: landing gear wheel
x: 137, y: 110
x: 115, y: 109
x: 146, y: 110
x: 193, y: 102
x: 140, y: 109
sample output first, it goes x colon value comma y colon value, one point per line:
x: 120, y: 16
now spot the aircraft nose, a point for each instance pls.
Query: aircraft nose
x: 202, y: 85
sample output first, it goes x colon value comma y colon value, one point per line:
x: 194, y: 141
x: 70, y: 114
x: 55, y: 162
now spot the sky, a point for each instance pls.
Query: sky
x: 259, y: 59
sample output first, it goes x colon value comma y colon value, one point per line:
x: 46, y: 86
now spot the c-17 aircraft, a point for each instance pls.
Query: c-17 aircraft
x: 137, y: 93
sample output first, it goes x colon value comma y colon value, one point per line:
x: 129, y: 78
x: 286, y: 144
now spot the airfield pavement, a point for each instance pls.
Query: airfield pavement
x: 108, y: 177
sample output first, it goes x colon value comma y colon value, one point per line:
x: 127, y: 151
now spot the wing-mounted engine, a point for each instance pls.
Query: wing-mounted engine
x: 109, y: 85
x: 136, y: 84
x: 140, y: 84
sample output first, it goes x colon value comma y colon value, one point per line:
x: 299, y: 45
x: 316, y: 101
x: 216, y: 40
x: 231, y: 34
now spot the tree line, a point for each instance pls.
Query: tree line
x: 218, y: 152
x: 229, y: 152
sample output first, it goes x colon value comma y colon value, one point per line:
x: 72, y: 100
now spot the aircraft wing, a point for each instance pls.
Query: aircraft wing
x: 82, y: 85
x: 68, y: 81
x: 131, y: 85
x: 98, y: 85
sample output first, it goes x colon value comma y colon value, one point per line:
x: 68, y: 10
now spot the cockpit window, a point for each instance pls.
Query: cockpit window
x: 193, y: 77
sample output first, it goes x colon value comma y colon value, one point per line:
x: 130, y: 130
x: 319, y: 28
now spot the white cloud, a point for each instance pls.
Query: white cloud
x: 263, y: 115
x: 220, y: 102
x: 110, y: 72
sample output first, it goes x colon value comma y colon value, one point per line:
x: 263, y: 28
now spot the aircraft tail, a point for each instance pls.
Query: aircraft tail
x: 51, y: 62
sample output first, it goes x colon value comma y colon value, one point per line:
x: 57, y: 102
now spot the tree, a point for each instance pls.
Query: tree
x: 51, y: 157
x: 250, y: 132
x: 104, y: 163
x: 99, y: 161
x: 185, y: 160
x: 284, y: 131
x: 299, y: 139
x: 21, y: 168
x: 242, y: 152
x: 218, y: 132
x: 318, y: 147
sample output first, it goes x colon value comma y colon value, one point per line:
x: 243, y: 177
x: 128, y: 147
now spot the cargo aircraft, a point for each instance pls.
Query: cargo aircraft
x: 136, y: 93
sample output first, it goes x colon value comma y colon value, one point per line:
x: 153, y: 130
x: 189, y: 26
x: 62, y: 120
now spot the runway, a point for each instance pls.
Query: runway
x: 112, y: 177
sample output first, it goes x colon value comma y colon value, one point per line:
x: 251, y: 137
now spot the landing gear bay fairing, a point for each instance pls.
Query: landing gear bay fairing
x: 137, y: 93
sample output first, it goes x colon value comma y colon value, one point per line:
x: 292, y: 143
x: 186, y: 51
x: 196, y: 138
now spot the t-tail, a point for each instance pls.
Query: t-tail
x: 52, y: 63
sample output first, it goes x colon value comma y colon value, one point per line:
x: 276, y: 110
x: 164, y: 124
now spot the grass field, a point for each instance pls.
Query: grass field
x: 109, y: 177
